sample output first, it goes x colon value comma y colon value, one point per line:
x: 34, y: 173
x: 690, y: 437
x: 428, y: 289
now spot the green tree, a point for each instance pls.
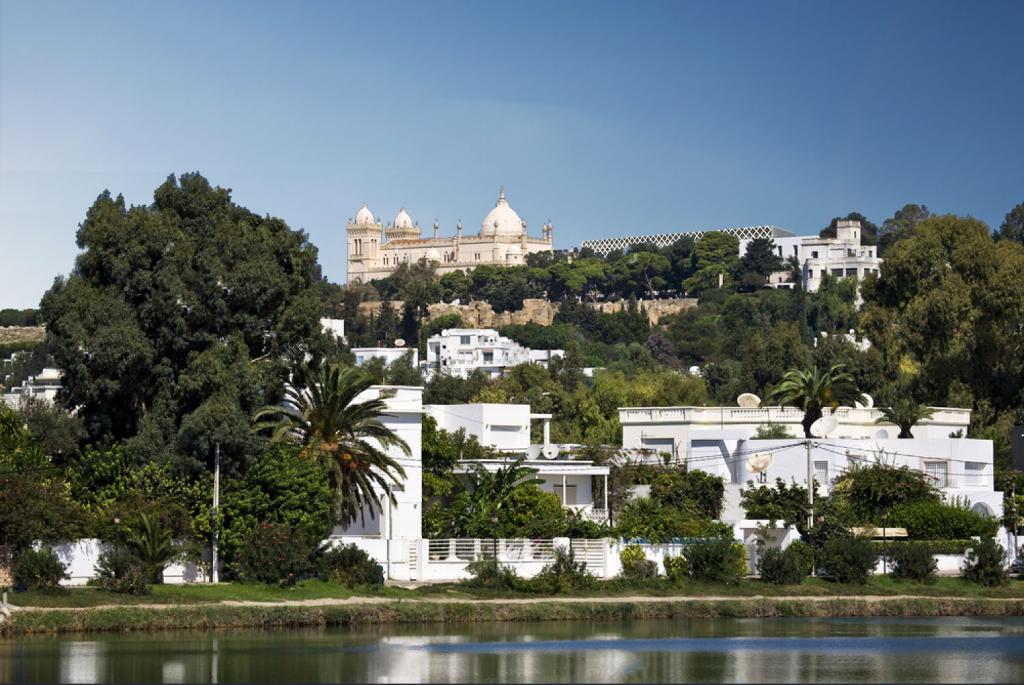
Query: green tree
x: 900, y: 225
x: 1012, y: 227
x: 811, y: 390
x: 279, y: 487
x: 714, y: 255
x: 640, y: 274
x: 34, y: 501
x: 949, y: 309
x: 757, y: 264
x: 59, y: 431
x: 345, y: 436
x: 172, y: 304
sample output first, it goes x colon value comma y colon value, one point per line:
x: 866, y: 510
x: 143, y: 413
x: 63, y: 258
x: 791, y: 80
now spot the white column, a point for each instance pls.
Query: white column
x: 547, y: 432
x: 563, y: 490
x: 606, y: 495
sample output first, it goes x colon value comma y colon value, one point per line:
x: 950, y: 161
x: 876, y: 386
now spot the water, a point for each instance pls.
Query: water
x: 695, y: 650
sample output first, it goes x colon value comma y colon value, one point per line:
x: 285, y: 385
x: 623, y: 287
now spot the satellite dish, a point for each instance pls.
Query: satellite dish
x: 823, y: 426
x: 759, y: 462
x: 550, y: 451
x: 748, y: 400
x: 399, y: 342
x: 881, y: 434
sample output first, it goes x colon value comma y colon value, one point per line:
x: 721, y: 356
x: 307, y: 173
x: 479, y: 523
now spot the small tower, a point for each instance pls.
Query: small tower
x: 848, y: 231
x: 363, y: 245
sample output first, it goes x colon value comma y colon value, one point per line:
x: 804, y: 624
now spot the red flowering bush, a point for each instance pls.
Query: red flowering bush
x: 275, y: 553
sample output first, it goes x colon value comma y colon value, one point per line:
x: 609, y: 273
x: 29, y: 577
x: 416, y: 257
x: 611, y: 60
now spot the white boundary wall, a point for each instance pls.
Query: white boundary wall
x: 81, y: 558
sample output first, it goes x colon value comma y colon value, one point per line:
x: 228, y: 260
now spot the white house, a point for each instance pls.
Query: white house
x: 393, y: 531
x: 388, y: 354
x: 843, y: 256
x: 581, y: 485
x: 721, y: 441
x: 44, y: 386
x: 335, y: 327
x: 461, y: 351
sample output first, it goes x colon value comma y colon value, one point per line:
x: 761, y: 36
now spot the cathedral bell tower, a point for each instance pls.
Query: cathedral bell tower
x: 363, y: 245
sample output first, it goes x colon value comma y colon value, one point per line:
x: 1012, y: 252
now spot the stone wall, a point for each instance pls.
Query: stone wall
x: 479, y: 314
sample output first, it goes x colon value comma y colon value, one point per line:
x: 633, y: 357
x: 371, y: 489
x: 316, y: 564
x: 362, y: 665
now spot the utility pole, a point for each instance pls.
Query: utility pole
x: 810, y: 486
x: 216, y: 505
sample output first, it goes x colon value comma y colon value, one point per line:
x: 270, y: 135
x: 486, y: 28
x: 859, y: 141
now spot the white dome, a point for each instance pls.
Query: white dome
x: 364, y: 216
x: 502, y: 220
x: 403, y: 220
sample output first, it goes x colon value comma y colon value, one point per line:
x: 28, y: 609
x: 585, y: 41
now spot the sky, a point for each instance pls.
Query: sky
x: 606, y: 118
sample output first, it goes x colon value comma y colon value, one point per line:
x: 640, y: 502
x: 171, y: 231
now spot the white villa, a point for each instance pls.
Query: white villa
x: 461, y: 351
x: 44, y: 386
x: 842, y: 256
x: 394, y: 529
x: 502, y: 240
x: 388, y: 354
x: 721, y: 441
x: 581, y: 485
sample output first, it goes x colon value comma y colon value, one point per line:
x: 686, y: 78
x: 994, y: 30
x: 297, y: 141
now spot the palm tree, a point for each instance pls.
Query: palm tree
x: 346, y: 437
x: 905, y: 413
x: 152, y: 545
x: 812, y: 390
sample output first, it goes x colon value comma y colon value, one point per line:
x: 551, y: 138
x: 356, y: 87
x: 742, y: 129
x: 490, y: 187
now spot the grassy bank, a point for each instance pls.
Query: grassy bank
x: 318, y: 589
x: 179, y: 617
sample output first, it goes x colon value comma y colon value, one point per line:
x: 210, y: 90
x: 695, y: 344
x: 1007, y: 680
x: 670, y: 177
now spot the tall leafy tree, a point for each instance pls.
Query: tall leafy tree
x: 901, y: 225
x: 714, y: 255
x: 344, y: 435
x: 1012, y: 227
x: 811, y: 390
x: 180, y: 318
x: 758, y: 263
x: 949, y: 309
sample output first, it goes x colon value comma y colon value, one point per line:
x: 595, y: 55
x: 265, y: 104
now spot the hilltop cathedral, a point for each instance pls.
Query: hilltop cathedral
x: 502, y: 241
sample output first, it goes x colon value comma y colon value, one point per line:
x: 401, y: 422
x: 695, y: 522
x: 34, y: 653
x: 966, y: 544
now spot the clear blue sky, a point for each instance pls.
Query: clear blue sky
x: 606, y: 118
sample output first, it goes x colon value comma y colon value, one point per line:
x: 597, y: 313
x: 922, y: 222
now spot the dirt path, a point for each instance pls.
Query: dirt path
x: 327, y: 601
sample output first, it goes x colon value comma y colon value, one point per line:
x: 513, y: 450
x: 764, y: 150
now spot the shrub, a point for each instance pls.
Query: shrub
x: 939, y: 521
x: 349, y: 566
x: 490, y: 573
x: 786, y: 503
x: 875, y: 488
x: 676, y: 569
x: 781, y: 566
x: 117, y: 570
x: 696, y: 491
x: 913, y: 561
x: 805, y: 553
x: 647, y: 519
x: 274, y: 553
x: 849, y: 560
x: 986, y: 564
x: 590, y: 530
x: 720, y: 561
x: 563, y: 575
x: 635, y: 565
x: 38, y: 570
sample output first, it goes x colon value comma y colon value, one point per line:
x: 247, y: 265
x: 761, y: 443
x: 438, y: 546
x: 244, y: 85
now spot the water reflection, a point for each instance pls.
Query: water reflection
x: 721, y: 650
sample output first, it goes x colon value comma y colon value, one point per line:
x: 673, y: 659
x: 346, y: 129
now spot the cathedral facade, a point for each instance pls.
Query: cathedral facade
x: 375, y: 250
